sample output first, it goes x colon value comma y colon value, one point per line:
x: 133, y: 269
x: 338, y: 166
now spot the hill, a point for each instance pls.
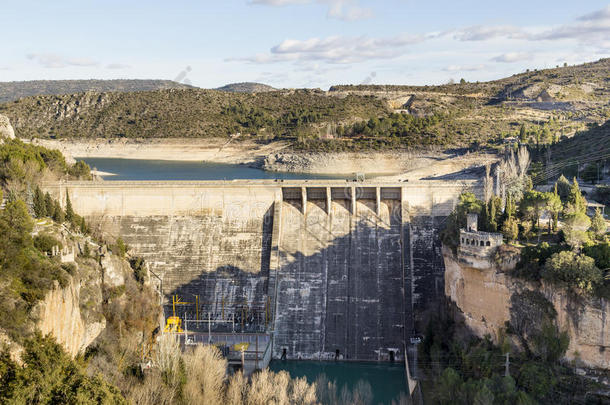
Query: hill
x: 186, y: 113
x: 587, y: 81
x: 10, y: 91
x: 537, y: 107
x: 246, y: 87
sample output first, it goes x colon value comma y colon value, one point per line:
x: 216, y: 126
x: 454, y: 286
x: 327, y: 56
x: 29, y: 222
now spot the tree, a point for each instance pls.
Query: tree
x: 522, y: 133
x: 49, y: 376
x: 122, y: 247
x: 550, y: 344
x: 598, y: 223
x: 484, y: 396
x: 576, y: 201
x: 40, y: 208
x: 574, y: 270
x: 510, y: 229
x: 49, y: 205
x: 526, y: 230
x: 58, y: 213
x: 553, y: 207
x: 533, y: 205
x: 563, y: 188
x: 600, y: 252
x: 575, y: 229
x: 590, y: 173
x: 468, y: 203
x: 69, y: 210
x: 17, y: 223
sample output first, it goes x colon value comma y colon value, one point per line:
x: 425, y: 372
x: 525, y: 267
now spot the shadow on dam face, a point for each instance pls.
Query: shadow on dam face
x: 338, y: 286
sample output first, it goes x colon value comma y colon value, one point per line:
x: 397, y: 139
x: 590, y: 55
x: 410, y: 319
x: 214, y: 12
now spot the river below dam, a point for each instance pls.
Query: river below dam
x: 387, y: 380
x: 140, y: 169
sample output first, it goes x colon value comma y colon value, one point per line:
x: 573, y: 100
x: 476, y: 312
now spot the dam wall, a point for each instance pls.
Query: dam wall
x: 331, y: 267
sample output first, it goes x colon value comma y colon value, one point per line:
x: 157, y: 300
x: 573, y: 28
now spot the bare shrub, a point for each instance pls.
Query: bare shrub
x: 513, y: 172
x: 268, y: 387
x: 167, y: 359
x: 301, y: 392
x: 205, y: 370
x: 152, y: 391
x: 326, y: 390
x: 236, y: 390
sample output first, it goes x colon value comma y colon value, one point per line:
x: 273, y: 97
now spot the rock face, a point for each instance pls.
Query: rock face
x: 113, y: 270
x: 486, y: 297
x: 340, y: 163
x: 59, y: 315
x: 6, y: 130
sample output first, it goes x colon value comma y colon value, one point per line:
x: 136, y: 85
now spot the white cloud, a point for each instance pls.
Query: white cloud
x: 117, y: 66
x: 346, y: 10
x: 465, y: 68
x: 603, y: 14
x: 590, y: 29
x: 512, y: 57
x: 484, y: 33
x: 337, y: 49
x: 51, y: 60
x: 279, y: 2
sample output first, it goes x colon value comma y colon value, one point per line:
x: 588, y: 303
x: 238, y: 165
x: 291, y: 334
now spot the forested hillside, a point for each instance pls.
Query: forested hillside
x: 10, y: 91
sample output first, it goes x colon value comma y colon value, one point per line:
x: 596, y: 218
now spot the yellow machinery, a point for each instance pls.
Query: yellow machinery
x: 173, y: 324
x: 241, y: 347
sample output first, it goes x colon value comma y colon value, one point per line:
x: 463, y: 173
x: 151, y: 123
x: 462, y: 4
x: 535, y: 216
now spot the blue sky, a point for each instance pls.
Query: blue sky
x: 298, y: 43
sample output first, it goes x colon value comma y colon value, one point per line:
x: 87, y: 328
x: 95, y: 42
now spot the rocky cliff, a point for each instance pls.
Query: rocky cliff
x: 73, y: 313
x: 59, y: 314
x: 489, y: 298
x: 6, y: 129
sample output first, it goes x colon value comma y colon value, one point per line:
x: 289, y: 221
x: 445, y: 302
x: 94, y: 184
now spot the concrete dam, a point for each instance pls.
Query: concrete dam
x: 326, y: 267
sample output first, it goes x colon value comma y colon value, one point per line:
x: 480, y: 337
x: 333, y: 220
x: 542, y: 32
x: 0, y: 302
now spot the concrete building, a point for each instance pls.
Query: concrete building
x: 477, y: 249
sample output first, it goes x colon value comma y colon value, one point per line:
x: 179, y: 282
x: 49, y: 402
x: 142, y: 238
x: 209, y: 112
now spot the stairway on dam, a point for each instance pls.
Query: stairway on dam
x: 328, y: 267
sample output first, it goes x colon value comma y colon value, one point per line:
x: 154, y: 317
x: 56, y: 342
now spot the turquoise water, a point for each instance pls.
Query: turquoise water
x: 137, y: 169
x: 387, y: 380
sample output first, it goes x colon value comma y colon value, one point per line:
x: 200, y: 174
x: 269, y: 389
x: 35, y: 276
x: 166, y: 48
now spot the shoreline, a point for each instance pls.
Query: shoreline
x: 277, y: 156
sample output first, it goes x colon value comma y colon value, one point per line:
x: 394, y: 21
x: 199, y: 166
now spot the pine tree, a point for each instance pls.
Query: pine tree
x: 522, y: 134
x: 493, y: 212
x: 598, y: 223
x: 58, y: 213
x: 40, y: 208
x: 49, y: 205
x: 576, y: 201
x: 69, y: 210
x: 510, y: 207
x: 83, y: 225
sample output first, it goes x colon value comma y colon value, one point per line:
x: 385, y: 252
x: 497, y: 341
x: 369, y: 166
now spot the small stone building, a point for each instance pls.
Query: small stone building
x: 477, y: 249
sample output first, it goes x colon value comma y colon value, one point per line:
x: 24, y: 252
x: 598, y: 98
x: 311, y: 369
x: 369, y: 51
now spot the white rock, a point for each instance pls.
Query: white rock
x: 6, y: 130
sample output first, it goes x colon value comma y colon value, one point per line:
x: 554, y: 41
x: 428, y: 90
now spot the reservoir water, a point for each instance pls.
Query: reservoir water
x: 138, y: 169
x: 387, y: 380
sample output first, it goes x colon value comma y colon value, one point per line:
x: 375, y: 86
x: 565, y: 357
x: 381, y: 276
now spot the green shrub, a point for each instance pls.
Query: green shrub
x: 45, y: 243
x: 576, y: 271
x: 49, y: 376
x: 120, y: 248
